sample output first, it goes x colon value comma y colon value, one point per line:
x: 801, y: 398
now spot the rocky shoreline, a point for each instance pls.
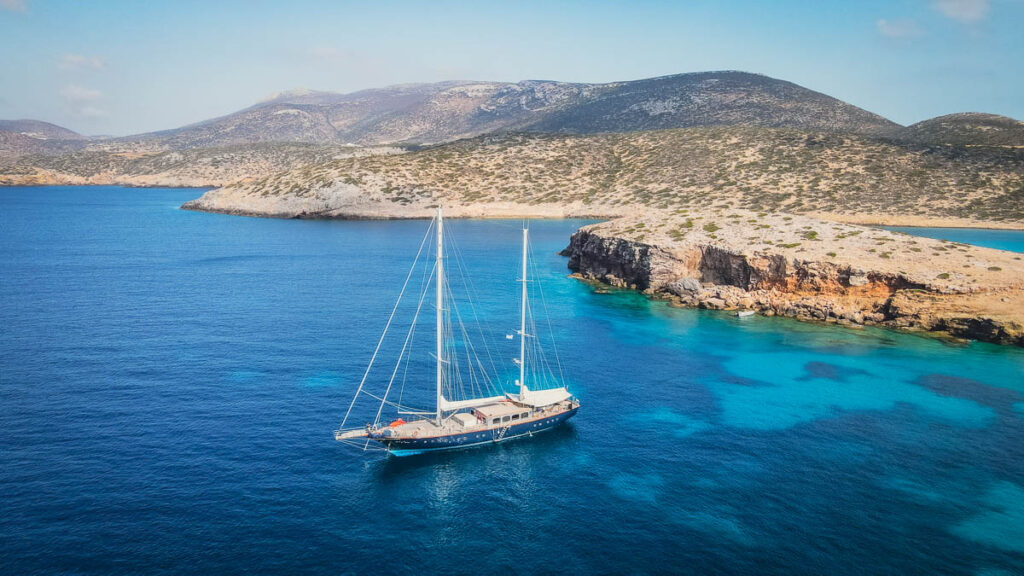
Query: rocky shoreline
x: 730, y: 259
x: 718, y: 274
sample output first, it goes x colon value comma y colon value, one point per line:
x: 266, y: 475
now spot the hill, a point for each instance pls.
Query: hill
x: 39, y: 130
x: 848, y: 177
x: 446, y: 111
x: 968, y: 129
x: 708, y: 99
x: 545, y: 147
x: 198, y: 167
x: 23, y: 137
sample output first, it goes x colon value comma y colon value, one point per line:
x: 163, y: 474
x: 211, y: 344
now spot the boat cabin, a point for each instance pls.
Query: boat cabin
x: 503, y: 414
x: 466, y: 420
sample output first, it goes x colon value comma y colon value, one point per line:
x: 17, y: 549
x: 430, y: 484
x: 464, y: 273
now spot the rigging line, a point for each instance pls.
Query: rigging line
x: 466, y: 347
x: 472, y: 355
x: 484, y: 382
x: 471, y: 293
x: 459, y: 379
x: 459, y: 383
x: 408, y: 360
x: 458, y: 386
x: 396, y: 405
x: 425, y: 286
x: 551, y: 330
x: 405, y: 345
x: 386, y: 326
x: 470, y: 385
x: 541, y: 367
x: 451, y: 377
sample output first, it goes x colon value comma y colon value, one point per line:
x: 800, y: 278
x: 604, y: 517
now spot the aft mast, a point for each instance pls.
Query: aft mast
x: 493, y: 419
x: 522, y: 324
x: 440, y: 303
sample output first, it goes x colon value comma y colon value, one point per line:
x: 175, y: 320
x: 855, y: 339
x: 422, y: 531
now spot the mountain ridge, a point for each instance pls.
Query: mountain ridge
x: 445, y: 111
x: 433, y: 113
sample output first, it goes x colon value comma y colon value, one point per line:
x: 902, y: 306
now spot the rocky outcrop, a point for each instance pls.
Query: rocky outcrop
x: 712, y: 275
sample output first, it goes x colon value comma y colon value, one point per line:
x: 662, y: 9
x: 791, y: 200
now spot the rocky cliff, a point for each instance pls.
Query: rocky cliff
x: 727, y: 267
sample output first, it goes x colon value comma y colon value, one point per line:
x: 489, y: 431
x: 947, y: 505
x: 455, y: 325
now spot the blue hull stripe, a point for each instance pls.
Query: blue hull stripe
x: 412, y: 446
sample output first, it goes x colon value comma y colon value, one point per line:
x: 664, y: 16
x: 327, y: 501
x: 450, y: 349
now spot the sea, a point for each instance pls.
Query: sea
x: 170, y: 382
x: 1010, y: 240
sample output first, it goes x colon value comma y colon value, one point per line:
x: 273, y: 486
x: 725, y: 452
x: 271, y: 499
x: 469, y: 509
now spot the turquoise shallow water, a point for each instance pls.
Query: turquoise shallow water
x: 169, y: 382
x: 1011, y: 240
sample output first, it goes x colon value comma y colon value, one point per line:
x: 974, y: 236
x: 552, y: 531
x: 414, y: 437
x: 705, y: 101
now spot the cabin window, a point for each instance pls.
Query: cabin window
x: 525, y: 415
x: 515, y: 416
x: 496, y: 421
x: 505, y: 419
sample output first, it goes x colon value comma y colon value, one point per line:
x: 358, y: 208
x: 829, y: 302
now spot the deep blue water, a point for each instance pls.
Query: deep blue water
x: 169, y: 382
x: 1011, y: 240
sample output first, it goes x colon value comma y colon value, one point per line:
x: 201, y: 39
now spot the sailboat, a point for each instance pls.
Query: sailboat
x: 478, y: 419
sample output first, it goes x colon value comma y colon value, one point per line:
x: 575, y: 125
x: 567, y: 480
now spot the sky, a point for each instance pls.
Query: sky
x: 123, y: 67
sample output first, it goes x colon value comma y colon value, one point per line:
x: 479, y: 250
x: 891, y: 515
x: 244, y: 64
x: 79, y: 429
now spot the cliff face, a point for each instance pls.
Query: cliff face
x: 708, y: 273
x: 652, y: 269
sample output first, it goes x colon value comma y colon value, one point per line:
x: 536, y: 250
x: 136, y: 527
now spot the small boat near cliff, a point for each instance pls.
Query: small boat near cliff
x: 469, y: 407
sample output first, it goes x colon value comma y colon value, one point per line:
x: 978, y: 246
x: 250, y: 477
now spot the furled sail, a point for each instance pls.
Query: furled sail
x: 449, y: 405
x: 539, y: 398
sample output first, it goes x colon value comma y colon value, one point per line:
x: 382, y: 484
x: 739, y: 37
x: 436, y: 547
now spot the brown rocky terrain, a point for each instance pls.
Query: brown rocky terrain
x: 446, y: 111
x: 809, y: 269
x: 841, y: 177
x: 201, y: 167
x: 728, y: 190
x: 967, y: 129
x: 39, y: 130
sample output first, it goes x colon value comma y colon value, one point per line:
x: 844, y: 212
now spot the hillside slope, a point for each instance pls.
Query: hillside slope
x: 441, y: 112
x: 23, y: 137
x: 200, y: 167
x: 761, y: 169
x: 709, y: 99
x: 39, y: 130
x: 968, y: 129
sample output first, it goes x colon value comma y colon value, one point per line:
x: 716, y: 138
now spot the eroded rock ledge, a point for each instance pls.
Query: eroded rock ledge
x: 808, y: 269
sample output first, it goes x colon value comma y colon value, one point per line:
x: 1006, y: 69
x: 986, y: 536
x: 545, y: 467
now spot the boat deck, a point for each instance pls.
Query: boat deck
x: 486, y: 414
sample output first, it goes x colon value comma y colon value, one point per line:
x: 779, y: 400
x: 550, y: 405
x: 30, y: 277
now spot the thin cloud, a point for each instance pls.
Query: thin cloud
x: 898, y: 28
x: 83, y: 102
x: 14, y: 5
x: 76, y: 93
x: 90, y: 112
x: 80, y: 62
x: 329, y: 53
x: 964, y: 11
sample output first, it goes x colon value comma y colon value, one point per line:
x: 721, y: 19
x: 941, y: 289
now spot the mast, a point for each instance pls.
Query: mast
x: 522, y: 324
x: 440, y: 303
